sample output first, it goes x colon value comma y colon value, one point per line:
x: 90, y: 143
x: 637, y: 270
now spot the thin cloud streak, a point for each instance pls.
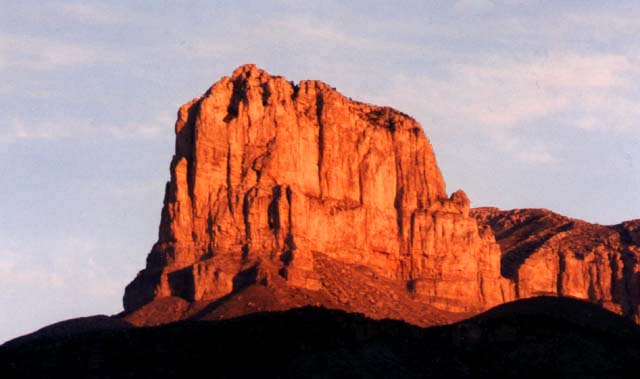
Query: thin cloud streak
x: 93, y: 14
x: 21, y: 130
x: 22, y: 52
x: 21, y: 270
x: 70, y: 265
x: 504, y: 93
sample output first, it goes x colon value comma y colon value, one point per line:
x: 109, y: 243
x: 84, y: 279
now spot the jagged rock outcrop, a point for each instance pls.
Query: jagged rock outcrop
x: 548, y: 254
x: 270, y: 178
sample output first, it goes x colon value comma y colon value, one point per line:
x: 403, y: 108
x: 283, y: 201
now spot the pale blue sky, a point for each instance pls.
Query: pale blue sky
x: 527, y: 104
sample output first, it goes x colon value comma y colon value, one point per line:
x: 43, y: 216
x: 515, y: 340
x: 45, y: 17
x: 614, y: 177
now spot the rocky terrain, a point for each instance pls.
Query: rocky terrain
x: 284, y: 195
x: 300, y: 189
x: 545, y: 253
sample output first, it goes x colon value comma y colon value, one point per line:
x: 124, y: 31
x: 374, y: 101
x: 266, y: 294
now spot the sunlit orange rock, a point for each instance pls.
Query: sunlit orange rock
x: 281, y: 184
x: 548, y: 254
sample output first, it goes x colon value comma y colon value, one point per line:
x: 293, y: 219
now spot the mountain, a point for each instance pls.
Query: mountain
x: 307, y: 234
x: 315, y: 199
x: 284, y: 195
x: 553, y: 337
x: 545, y: 253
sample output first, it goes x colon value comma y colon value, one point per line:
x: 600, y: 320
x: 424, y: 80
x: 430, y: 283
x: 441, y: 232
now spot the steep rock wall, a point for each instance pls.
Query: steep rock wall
x: 267, y: 175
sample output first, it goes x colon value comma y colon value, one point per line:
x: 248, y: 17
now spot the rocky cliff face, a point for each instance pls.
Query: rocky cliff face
x: 284, y: 195
x: 278, y: 184
x: 544, y: 253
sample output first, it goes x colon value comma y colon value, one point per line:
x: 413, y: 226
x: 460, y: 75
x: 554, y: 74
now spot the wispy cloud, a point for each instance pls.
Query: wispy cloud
x: 506, y: 93
x: 501, y: 96
x: 301, y: 34
x: 310, y: 33
x: 523, y: 151
x: 473, y: 5
x: 20, y: 270
x: 502, y: 92
x: 92, y: 13
x: 158, y: 126
x: 536, y: 156
x: 22, y: 52
x: 19, y: 129
x: 41, y: 287
x: 71, y: 265
x: 602, y: 24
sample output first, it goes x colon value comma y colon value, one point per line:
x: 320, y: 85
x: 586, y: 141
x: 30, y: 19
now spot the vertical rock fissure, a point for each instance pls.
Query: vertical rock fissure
x: 236, y: 97
x: 319, y: 109
x: 246, y: 209
x: 229, y: 183
x: 289, y: 240
x: 185, y: 143
x: 273, y: 213
x: 295, y: 90
x: 289, y: 205
x: 266, y: 93
x: 211, y: 222
x: 398, y: 200
x: 410, y: 243
x: 362, y: 167
x: 562, y: 264
x: 629, y: 262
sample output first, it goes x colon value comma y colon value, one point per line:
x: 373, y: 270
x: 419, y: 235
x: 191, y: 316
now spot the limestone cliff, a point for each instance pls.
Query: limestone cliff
x: 282, y: 184
x: 548, y: 254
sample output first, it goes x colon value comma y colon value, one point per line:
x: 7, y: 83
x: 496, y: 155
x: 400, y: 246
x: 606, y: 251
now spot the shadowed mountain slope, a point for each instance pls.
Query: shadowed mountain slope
x: 556, y: 337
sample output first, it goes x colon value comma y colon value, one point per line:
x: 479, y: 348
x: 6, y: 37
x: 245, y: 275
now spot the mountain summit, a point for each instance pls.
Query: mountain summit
x: 279, y: 184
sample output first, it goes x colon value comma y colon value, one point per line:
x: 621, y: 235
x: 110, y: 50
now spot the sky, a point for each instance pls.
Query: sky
x: 528, y: 104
